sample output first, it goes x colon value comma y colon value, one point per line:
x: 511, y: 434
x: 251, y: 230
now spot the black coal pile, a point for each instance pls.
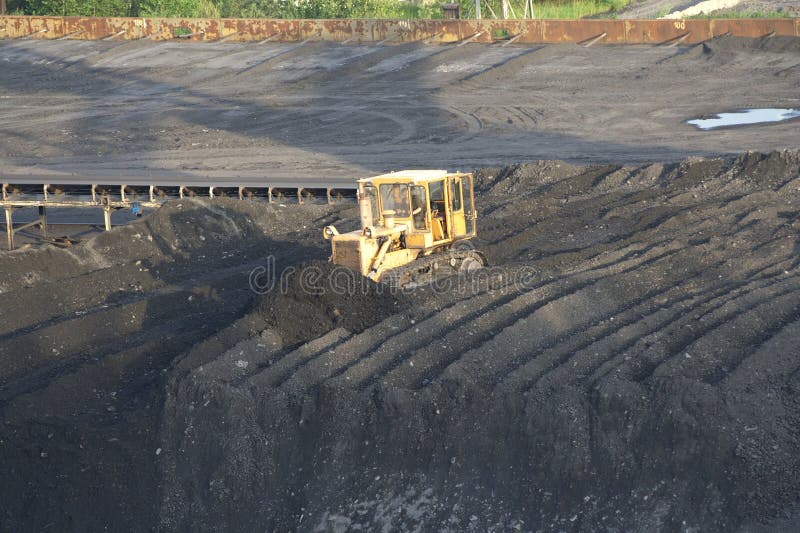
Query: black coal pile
x: 648, y: 376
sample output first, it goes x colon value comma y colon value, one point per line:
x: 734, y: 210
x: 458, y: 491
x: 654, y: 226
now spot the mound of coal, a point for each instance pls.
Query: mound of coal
x: 315, y: 297
x: 648, y: 380
x: 726, y: 49
x: 89, y: 336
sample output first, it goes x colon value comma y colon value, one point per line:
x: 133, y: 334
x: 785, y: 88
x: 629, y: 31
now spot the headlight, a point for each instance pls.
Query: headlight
x: 328, y: 232
x: 368, y: 232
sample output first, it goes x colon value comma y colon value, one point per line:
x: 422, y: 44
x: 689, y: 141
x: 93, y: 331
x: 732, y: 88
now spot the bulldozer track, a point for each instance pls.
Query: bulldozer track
x: 428, y: 268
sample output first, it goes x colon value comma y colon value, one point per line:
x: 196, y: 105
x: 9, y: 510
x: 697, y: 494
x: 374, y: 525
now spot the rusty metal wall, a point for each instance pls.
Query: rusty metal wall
x: 605, y: 31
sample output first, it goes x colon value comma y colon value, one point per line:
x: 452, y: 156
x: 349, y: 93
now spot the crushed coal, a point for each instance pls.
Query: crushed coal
x: 649, y: 379
x: 314, y: 297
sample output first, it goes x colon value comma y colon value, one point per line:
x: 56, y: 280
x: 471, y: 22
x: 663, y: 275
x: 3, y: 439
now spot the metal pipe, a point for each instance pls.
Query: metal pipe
x: 595, y: 39
x: 73, y: 34
x: 229, y: 36
x: 113, y: 35
x: 43, y: 220
x: 679, y: 40
x: 9, y: 228
x: 270, y: 38
x: 513, y: 39
x: 470, y: 39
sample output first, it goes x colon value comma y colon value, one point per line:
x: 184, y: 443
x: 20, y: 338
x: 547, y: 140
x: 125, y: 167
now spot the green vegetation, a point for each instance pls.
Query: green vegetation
x: 83, y: 8
x: 549, y: 9
x: 393, y: 9
x: 227, y: 8
x: 663, y: 12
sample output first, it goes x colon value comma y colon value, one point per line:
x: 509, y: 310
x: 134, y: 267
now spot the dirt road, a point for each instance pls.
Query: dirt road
x: 289, y: 110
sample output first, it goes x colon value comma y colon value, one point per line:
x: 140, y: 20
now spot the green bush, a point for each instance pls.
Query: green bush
x: 178, y: 8
x: 390, y: 9
x: 547, y: 9
x: 82, y: 8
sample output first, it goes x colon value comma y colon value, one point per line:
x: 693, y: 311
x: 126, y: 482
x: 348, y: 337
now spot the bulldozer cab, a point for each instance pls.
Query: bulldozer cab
x: 410, y: 221
x: 436, y: 207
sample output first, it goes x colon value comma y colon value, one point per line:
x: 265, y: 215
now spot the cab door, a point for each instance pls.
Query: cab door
x: 439, y: 207
x: 470, y: 214
x: 456, y: 190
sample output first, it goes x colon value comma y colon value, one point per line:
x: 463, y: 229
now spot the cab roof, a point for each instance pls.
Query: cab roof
x: 412, y: 176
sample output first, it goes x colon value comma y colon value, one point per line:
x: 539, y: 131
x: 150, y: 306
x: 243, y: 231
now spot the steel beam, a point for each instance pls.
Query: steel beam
x: 107, y: 217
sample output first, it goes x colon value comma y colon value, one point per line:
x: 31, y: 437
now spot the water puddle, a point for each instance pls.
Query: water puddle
x: 745, y: 117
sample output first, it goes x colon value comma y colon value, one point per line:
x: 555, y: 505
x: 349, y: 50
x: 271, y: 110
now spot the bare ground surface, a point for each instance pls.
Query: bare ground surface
x: 331, y: 111
x: 765, y: 6
x: 656, y: 8
x: 642, y: 372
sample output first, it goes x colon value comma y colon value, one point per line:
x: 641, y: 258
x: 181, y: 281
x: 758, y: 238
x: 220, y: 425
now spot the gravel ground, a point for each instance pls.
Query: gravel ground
x: 283, y: 111
x: 655, y: 8
x: 789, y: 7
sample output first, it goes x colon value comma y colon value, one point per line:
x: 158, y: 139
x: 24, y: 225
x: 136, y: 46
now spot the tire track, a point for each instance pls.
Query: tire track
x: 662, y: 353
x: 663, y: 311
x: 519, y: 327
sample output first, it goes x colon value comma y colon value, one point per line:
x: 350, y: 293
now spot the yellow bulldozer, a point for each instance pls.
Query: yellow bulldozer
x: 415, y: 227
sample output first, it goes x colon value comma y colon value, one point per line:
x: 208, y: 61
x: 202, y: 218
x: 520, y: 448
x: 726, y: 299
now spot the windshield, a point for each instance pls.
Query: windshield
x: 395, y: 197
x: 371, y: 193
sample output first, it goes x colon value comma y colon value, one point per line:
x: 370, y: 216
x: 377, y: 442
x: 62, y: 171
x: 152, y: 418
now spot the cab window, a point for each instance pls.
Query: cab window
x: 437, y: 196
x: 469, y: 210
x: 394, y: 197
x: 455, y: 194
x: 419, y: 207
x: 372, y: 195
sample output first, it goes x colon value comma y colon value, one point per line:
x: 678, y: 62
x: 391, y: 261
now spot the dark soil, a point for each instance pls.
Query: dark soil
x: 315, y: 297
x: 646, y: 377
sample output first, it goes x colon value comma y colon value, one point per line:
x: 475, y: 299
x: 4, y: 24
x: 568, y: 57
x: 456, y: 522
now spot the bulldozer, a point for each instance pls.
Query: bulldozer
x: 415, y: 227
